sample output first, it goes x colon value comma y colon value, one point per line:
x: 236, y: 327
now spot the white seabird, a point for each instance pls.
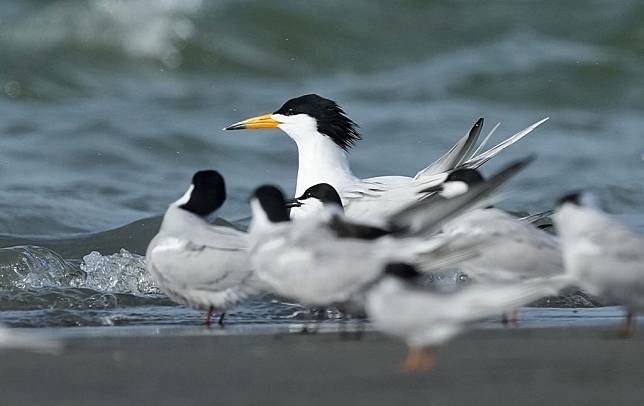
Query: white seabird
x: 604, y: 257
x: 397, y: 306
x: 198, y: 264
x: 326, y: 259
x: 515, y: 249
x: 324, y: 134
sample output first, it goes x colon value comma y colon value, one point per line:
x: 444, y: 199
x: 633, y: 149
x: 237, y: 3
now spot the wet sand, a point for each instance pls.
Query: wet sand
x: 528, y: 366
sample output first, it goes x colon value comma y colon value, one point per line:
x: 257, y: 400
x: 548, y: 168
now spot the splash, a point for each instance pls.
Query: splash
x: 30, y: 266
x: 122, y: 272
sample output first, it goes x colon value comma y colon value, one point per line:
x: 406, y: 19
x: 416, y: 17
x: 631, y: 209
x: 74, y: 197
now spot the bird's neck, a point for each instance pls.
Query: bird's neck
x: 320, y: 160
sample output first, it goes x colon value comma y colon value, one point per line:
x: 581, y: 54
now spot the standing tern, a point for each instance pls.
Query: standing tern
x: 198, y: 264
x: 398, y: 306
x: 324, y: 134
x: 327, y: 259
x: 603, y: 256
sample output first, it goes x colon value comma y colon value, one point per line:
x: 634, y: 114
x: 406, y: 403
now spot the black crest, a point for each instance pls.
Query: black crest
x: 331, y: 119
x: 323, y: 192
x: 273, y: 203
x: 402, y: 271
x: 208, y: 194
x: 470, y: 176
x: 574, y: 198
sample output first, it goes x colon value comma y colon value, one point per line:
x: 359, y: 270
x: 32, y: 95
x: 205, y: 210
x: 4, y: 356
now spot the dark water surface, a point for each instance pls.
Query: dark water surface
x: 108, y: 106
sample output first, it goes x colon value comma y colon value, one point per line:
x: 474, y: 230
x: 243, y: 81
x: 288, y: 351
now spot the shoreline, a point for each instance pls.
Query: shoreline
x: 485, y: 366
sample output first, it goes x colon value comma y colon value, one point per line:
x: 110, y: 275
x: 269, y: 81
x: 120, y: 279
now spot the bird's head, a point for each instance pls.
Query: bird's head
x: 307, y: 116
x: 318, y: 196
x: 457, y: 182
x: 578, y: 199
x: 206, y: 194
x: 401, y: 271
x: 268, y: 204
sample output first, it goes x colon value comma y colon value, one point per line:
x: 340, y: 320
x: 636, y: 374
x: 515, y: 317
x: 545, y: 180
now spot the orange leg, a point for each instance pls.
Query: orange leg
x: 419, y: 360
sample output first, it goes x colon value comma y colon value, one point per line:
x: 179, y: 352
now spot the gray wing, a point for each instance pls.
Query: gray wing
x: 207, y: 260
x: 428, y: 214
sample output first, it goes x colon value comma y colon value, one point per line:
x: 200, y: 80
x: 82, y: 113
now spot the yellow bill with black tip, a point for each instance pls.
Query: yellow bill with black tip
x: 264, y: 121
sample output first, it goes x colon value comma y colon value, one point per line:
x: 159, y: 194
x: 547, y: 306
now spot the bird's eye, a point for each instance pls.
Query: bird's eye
x: 289, y: 112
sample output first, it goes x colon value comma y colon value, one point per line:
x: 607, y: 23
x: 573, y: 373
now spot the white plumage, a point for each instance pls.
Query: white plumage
x: 424, y: 319
x: 198, y: 264
x: 324, y: 134
x: 514, y: 250
x: 603, y: 256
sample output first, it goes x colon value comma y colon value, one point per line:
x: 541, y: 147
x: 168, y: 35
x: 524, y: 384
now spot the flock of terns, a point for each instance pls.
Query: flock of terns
x: 368, y: 246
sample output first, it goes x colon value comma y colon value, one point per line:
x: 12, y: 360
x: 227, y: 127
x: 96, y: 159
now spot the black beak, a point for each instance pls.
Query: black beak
x: 293, y: 203
x: 432, y: 189
x: 238, y: 126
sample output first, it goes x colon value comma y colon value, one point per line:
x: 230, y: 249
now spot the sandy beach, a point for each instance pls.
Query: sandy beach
x: 531, y: 366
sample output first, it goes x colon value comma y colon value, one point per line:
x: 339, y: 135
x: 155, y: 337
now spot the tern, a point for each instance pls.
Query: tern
x: 605, y: 258
x: 515, y: 249
x: 198, y: 264
x: 327, y: 259
x: 397, y: 305
x: 324, y: 135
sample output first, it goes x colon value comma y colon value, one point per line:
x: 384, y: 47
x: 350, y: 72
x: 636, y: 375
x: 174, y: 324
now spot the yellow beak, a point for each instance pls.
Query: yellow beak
x: 264, y: 121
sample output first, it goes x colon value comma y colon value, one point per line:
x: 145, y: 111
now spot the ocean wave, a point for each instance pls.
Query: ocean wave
x: 32, y: 268
x: 283, y: 37
x: 141, y: 28
x: 35, y: 267
x: 122, y: 272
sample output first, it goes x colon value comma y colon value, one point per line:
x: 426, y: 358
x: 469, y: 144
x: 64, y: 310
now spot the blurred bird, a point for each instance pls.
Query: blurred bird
x: 324, y: 134
x: 327, y: 259
x: 198, y: 264
x: 398, y: 306
x: 514, y: 250
x: 14, y: 340
x: 605, y: 258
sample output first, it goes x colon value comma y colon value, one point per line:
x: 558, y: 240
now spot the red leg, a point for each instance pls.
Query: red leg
x: 211, y: 310
x: 514, y: 319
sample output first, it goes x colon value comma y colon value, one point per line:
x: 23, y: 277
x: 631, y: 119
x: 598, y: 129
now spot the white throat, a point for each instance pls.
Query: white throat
x: 320, y: 160
x: 453, y: 188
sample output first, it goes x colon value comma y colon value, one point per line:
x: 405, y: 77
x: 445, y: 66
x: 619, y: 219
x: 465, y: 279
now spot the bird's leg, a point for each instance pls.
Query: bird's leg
x: 627, y: 330
x: 510, y: 320
x: 221, y: 319
x: 211, y: 310
x: 307, y: 329
x: 316, y: 327
x: 419, y: 359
